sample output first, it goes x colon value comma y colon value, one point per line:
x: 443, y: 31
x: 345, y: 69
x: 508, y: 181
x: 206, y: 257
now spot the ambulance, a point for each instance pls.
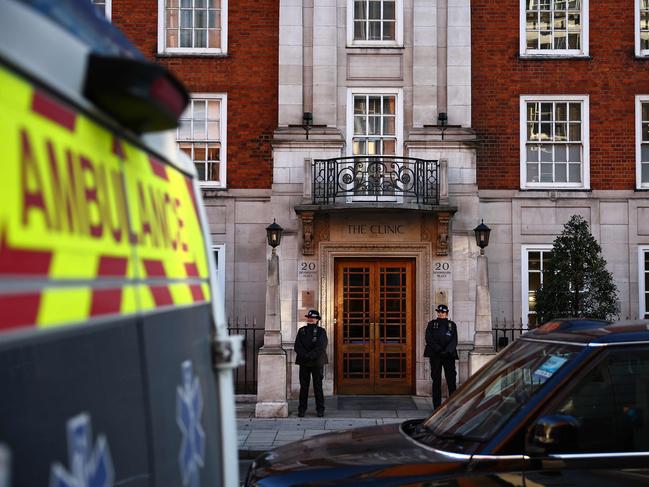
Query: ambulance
x: 115, y: 361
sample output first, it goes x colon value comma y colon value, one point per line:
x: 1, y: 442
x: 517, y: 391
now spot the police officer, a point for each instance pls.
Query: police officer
x: 311, y: 350
x: 441, y: 348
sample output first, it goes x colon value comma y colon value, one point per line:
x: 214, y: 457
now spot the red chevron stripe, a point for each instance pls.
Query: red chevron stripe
x: 154, y: 268
x: 191, y: 269
x: 161, y: 295
x: 19, y: 310
x: 197, y: 292
x: 106, y: 301
x: 112, y: 266
x: 158, y: 168
x: 23, y: 262
x: 54, y: 110
x: 118, y: 148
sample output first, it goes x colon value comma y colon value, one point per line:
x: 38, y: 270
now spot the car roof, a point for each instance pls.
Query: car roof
x: 591, y: 332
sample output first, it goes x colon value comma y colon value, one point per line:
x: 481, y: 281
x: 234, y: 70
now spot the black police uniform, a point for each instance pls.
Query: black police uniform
x: 441, y: 348
x: 311, y: 349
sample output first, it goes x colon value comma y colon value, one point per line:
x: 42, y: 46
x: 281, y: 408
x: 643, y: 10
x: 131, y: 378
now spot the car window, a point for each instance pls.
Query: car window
x: 611, y: 404
x: 478, y: 411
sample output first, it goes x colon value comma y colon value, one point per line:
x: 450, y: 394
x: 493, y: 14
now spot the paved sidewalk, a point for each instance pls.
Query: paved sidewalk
x: 257, y: 435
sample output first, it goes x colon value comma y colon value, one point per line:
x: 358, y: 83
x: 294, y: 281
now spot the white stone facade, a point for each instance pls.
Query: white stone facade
x: 619, y: 221
x: 428, y: 65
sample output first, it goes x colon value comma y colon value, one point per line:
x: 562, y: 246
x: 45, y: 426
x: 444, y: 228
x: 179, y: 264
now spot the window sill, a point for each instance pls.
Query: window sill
x: 212, y: 191
x: 642, y: 57
x: 193, y: 54
x: 555, y: 189
x: 376, y: 47
x: 554, y: 57
x: 209, y: 185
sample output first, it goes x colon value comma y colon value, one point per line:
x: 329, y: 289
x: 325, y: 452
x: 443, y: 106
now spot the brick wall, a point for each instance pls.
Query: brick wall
x: 612, y: 77
x: 248, y: 74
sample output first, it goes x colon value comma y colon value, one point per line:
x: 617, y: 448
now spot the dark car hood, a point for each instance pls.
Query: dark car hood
x: 376, y: 455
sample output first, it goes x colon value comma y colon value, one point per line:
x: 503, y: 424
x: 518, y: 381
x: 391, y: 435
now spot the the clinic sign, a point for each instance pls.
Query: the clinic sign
x: 370, y: 227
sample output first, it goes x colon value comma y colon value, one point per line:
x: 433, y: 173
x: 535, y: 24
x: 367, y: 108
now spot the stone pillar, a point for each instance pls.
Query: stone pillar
x: 458, y: 63
x: 325, y: 63
x: 290, y: 62
x: 424, y: 66
x: 271, y: 363
x: 483, y: 350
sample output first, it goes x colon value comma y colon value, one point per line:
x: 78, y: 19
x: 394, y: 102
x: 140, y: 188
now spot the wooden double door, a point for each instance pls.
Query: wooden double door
x: 374, y: 326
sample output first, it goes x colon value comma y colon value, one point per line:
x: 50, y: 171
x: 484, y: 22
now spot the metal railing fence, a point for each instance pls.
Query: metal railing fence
x: 505, y: 332
x: 375, y: 178
x: 245, y: 376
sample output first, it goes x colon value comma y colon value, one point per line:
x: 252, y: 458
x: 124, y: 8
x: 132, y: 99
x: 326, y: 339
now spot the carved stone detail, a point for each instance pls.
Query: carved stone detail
x: 443, y: 233
x: 427, y: 229
x: 308, y: 247
x: 323, y: 228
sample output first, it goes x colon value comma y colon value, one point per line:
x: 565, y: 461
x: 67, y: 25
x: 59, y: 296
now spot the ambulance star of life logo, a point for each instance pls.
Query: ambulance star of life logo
x: 88, y: 467
x: 189, y: 408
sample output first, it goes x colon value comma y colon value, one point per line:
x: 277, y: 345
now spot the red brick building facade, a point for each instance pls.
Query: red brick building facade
x: 226, y: 53
x: 612, y: 75
x: 247, y: 72
x: 560, y: 107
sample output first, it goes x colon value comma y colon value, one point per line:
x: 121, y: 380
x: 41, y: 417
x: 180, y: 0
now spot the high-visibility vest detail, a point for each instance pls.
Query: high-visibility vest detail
x: 90, y: 224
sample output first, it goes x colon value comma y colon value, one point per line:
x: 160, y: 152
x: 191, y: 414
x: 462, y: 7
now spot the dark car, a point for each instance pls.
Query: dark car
x: 566, y: 404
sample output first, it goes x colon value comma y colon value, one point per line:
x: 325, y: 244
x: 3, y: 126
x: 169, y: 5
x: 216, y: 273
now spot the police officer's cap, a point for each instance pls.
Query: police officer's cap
x: 442, y: 308
x: 313, y: 313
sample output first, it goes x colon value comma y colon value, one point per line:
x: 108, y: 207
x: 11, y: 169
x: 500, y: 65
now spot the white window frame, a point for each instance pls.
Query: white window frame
x: 585, y: 137
x: 398, y: 92
x: 162, y: 36
x: 639, y: 100
x: 525, y: 283
x: 524, y: 52
x: 218, y: 251
x: 642, y: 311
x: 638, y: 50
x: 108, y: 8
x: 398, y: 34
x: 223, y: 97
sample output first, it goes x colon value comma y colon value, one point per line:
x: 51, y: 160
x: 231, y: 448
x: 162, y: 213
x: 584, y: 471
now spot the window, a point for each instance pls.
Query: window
x: 642, y: 27
x: 643, y: 281
x: 375, y: 130
x: 192, y: 26
x: 219, y: 261
x: 534, y: 262
x: 554, y: 142
x: 374, y: 22
x: 611, y: 404
x: 554, y: 27
x: 103, y: 7
x: 642, y: 141
x: 202, y: 136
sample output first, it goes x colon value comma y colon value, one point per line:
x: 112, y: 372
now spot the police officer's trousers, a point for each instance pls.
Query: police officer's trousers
x: 306, y: 372
x: 437, y: 362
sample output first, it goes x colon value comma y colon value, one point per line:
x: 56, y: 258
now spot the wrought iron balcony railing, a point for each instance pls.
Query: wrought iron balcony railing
x: 375, y: 178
